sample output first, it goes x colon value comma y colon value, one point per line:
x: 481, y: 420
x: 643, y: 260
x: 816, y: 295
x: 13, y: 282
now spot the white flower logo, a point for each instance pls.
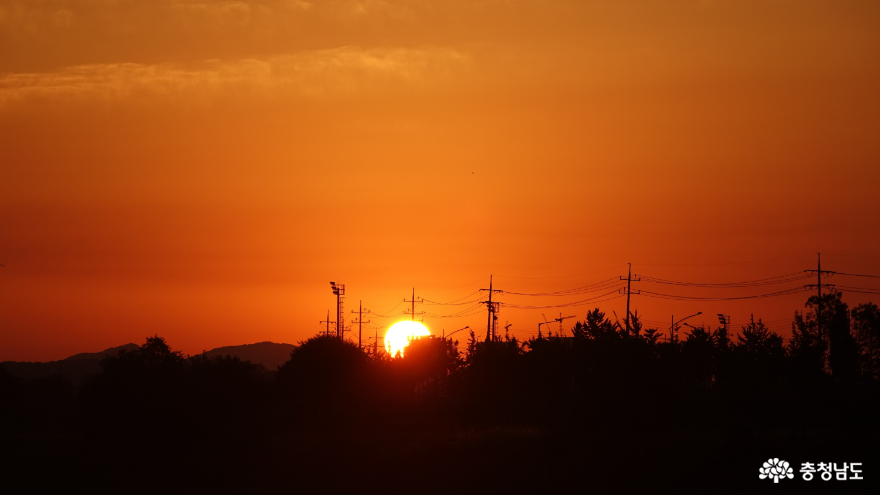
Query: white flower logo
x: 774, y: 468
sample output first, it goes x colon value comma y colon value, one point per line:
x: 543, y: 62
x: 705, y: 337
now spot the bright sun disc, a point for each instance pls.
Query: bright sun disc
x: 398, y: 336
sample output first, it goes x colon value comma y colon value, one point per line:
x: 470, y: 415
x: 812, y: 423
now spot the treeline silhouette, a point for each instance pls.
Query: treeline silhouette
x: 599, y: 408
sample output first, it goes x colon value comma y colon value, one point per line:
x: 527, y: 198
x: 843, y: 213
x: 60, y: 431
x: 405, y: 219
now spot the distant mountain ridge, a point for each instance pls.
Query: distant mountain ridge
x: 76, y: 367
x: 269, y: 354
x: 106, y: 352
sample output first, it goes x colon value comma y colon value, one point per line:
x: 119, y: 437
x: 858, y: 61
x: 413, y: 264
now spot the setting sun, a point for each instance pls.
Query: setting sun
x: 399, y: 335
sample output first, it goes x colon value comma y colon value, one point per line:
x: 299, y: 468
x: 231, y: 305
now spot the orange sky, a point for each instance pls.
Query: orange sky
x: 202, y: 170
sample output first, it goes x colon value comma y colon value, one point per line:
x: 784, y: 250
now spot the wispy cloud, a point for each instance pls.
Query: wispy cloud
x: 309, y: 74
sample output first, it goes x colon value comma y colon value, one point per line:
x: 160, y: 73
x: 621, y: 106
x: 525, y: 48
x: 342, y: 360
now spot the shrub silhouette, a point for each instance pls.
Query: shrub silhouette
x: 324, y: 369
x: 866, y: 331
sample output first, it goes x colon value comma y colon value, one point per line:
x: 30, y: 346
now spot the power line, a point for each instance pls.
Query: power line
x: 859, y: 290
x: 476, y: 308
x: 779, y: 279
x: 855, y: 275
x: 595, y: 299
x: 658, y: 295
x: 564, y: 276
x: 853, y: 255
x: 595, y: 287
x: 730, y: 263
x: 392, y: 309
x: 453, y: 302
x: 454, y: 288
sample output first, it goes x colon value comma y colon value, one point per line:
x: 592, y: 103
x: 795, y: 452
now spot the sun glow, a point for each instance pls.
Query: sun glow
x: 398, y: 336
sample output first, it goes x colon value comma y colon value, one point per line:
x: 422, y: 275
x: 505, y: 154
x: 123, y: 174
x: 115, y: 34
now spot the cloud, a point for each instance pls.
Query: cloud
x: 308, y: 74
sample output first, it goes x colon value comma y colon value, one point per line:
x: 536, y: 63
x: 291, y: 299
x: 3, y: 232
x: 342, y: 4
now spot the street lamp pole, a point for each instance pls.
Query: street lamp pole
x: 339, y: 291
x: 673, y: 326
x: 456, y: 331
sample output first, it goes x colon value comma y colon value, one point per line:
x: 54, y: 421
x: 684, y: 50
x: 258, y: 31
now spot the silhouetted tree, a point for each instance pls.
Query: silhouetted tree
x: 151, y: 371
x: 842, y: 349
x: 697, y: 354
x: 324, y: 369
x: 596, y: 327
x: 651, y: 335
x: 432, y: 356
x: 471, y: 349
x: 807, y: 347
x: 758, y: 355
x: 866, y: 331
x: 11, y: 392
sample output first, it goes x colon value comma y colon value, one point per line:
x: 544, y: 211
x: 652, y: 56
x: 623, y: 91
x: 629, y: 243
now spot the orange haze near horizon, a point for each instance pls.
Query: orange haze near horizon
x: 202, y: 170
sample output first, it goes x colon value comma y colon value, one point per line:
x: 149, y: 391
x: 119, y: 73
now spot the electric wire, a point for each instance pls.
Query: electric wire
x: 859, y: 290
x: 595, y: 287
x: 381, y: 315
x: 451, y: 303
x: 563, y: 276
x: 658, y: 295
x: 779, y: 279
x: 591, y: 300
x: 856, y: 275
x: 464, y: 312
x: 730, y: 263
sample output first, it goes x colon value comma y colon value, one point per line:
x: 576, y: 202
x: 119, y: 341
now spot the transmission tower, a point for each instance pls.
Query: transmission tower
x: 818, y: 286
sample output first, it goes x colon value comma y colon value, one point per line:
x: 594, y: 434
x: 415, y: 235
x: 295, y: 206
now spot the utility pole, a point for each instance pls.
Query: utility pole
x: 412, y: 312
x: 493, y: 308
x: 339, y: 290
x: 560, y: 319
x: 628, y: 291
x: 360, y: 312
x: 376, y: 340
x: 819, y: 271
x: 327, y: 321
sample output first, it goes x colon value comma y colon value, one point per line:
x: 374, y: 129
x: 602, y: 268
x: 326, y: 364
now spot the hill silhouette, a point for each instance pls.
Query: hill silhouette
x: 101, y: 355
x: 76, y: 367
x: 268, y: 354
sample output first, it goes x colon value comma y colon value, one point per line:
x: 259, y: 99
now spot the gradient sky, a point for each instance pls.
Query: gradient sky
x: 202, y: 169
